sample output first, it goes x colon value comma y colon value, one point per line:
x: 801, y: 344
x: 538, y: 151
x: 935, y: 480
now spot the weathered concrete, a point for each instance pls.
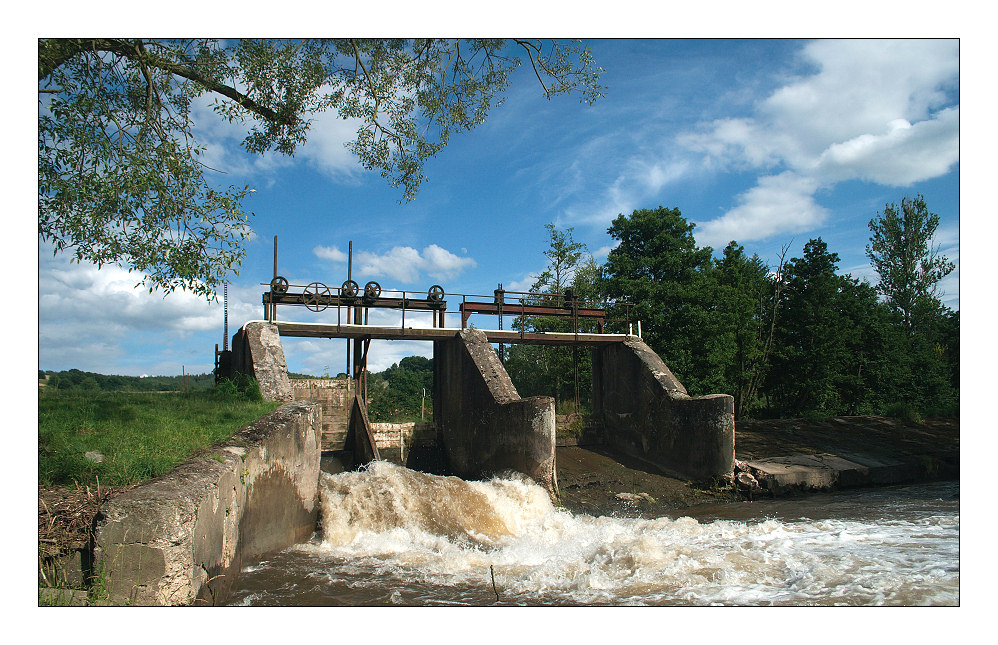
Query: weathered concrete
x: 646, y: 413
x: 336, y: 398
x: 257, y: 351
x: 396, y: 440
x: 484, y: 425
x: 182, y: 538
x: 780, y: 475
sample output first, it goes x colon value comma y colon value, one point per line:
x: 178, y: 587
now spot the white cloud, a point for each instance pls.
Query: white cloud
x: 331, y: 253
x: 780, y: 203
x: 873, y: 110
x: 441, y: 263
x: 322, y: 356
x: 87, y: 317
x: 902, y: 155
x: 324, y: 149
x: 403, y: 263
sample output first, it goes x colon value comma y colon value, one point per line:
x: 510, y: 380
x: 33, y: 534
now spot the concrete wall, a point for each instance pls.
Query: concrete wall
x: 396, y: 440
x: 257, y: 351
x: 647, y: 413
x: 484, y: 425
x: 182, y: 538
x: 335, y: 396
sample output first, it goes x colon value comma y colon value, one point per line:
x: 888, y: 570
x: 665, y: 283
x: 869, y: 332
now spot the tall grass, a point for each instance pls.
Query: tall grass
x: 138, y: 435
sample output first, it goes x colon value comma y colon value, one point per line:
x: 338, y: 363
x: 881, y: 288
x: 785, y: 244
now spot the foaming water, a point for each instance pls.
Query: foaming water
x: 390, y: 535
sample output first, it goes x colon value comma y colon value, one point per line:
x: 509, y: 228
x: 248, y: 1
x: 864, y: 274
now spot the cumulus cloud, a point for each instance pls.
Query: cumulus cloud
x: 325, y: 147
x: 331, y: 253
x: 327, y: 356
x: 778, y: 204
x: 872, y: 110
x: 87, y: 316
x: 902, y: 155
x: 403, y: 263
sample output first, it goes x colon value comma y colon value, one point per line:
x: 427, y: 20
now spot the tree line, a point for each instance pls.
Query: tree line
x: 793, y: 339
x: 90, y: 381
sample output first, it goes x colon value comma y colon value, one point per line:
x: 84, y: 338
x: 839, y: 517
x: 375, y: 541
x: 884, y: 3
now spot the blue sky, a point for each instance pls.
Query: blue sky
x: 767, y: 142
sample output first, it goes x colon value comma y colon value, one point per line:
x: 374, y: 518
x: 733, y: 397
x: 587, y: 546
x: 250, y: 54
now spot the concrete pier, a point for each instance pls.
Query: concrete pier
x: 646, y: 413
x: 484, y: 425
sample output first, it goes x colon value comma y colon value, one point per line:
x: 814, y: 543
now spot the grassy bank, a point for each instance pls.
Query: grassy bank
x: 138, y: 435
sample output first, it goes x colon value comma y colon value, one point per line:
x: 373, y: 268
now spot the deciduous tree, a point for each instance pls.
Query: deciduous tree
x: 658, y: 267
x: 909, y: 265
x: 120, y: 175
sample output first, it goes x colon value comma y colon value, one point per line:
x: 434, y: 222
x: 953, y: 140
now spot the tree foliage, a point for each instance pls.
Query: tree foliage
x: 797, y: 339
x: 397, y: 393
x: 559, y: 372
x: 908, y: 264
x: 121, y: 178
x: 658, y: 267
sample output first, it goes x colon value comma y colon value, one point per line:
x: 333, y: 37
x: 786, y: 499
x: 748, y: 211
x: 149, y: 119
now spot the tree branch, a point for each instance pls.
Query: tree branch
x: 56, y: 52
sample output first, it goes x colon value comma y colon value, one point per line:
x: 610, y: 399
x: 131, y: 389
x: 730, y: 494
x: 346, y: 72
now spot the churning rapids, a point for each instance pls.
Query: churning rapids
x: 393, y: 536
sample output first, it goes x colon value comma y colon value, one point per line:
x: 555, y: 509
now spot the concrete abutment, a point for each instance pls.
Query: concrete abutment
x: 182, y: 538
x: 646, y: 413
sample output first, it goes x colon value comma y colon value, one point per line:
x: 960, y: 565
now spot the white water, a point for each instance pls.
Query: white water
x: 394, y: 536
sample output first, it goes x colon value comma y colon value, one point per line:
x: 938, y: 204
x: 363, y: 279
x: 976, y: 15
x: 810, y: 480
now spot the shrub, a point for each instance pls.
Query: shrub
x: 904, y: 412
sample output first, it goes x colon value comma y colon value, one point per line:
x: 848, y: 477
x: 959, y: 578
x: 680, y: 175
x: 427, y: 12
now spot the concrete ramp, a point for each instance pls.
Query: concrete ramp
x: 484, y: 425
x: 825, y: 471
x: 646, y: 413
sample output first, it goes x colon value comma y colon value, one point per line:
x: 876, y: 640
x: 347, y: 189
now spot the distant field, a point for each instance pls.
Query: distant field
x: 140, y: 435
x: 91, y: 381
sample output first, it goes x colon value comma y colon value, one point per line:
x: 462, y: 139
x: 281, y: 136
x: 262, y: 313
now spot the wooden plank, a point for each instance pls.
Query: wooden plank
x: 322, y: 330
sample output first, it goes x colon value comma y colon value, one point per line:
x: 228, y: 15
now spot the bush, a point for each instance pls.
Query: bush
x: 904, y: 412
x: 242, y: 386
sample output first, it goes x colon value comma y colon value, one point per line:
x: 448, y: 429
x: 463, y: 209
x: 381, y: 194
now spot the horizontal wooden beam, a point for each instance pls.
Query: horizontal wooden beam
x: 325, y: 330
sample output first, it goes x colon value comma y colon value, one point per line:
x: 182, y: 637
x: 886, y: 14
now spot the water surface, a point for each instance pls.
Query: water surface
x: 392, y: 536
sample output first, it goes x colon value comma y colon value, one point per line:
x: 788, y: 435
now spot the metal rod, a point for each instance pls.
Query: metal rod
x: 349, y: 277
x: 225, y: 334
x: 273, y: 305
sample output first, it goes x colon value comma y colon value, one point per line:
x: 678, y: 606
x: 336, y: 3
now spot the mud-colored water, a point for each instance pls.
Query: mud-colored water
x: 392, y: 536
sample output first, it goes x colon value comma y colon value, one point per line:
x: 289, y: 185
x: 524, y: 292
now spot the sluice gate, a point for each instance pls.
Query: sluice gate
x: 483, y: 424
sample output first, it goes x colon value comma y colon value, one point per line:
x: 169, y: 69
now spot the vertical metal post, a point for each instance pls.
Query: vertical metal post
x: 500, y: 298
x: 349, y: 277
x: 273, y: 305
x: 225, y: 333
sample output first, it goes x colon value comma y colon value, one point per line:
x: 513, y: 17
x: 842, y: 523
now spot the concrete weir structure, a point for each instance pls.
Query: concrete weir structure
x: 646, y: 412
x: 181, y: 539
x: 484, y: 425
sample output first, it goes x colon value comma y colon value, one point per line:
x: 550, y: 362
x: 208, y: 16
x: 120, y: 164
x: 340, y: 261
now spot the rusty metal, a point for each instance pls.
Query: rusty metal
x: 349, y: 289
x: 279, y: 285
x: 468, y: 308
x: 435, y: 293
x: 372, y: 291
x: 316, y: 296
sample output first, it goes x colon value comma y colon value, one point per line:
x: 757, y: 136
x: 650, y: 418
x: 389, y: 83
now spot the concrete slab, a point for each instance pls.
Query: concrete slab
x: 825, y: 471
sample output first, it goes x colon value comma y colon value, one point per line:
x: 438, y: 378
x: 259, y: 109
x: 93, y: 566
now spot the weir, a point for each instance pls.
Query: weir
x: 484, y: 427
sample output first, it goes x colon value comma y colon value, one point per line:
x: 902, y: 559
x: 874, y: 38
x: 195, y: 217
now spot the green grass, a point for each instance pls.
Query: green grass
x: 140, y: 435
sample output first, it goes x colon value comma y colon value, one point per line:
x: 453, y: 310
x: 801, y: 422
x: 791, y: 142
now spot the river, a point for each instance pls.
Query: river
x: 391, y: 536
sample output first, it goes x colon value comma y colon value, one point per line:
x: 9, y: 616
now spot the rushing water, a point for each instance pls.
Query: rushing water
x: 392, y: 536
